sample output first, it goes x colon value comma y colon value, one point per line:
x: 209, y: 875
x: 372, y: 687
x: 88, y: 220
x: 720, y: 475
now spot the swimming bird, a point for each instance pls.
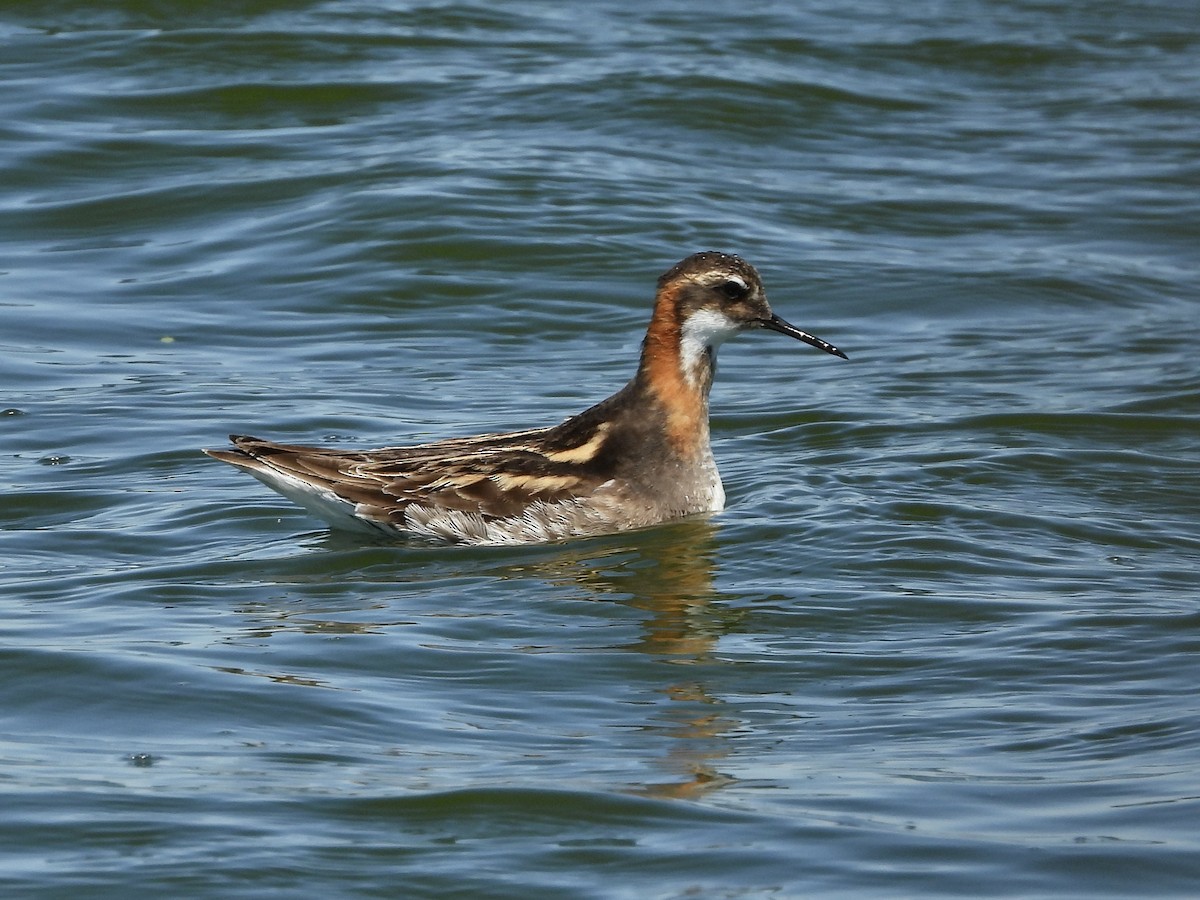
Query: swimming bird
x: 639, y: 458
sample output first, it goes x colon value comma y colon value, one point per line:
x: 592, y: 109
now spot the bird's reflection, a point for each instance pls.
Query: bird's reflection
x: 667, y: 572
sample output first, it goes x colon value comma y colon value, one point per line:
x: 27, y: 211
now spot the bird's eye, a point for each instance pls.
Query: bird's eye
x: 733, y: 288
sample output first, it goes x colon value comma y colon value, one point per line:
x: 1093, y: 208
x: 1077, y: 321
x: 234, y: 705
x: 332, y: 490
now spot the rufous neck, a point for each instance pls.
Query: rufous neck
x: 678, y: 381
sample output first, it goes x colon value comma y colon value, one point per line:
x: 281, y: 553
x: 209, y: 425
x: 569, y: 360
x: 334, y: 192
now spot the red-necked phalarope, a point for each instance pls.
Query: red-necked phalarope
x: 639, y: 458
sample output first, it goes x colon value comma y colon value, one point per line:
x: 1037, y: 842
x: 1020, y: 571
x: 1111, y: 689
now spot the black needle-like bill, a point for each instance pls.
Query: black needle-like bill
x: 777, y: 324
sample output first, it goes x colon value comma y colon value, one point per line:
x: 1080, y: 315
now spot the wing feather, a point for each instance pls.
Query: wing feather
x: 493, y: 476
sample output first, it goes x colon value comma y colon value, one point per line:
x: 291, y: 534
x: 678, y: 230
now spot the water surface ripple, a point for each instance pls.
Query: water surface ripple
x: 942, y: 643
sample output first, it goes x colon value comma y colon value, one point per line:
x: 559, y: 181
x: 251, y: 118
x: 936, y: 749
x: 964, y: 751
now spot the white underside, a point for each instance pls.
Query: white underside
x: 321, y: 503
x: 717, y: 497
x: 601, y: 513
x: 537, y: 523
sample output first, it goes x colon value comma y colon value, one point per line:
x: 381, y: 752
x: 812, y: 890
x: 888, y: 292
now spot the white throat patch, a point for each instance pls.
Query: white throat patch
x: 705, y: 328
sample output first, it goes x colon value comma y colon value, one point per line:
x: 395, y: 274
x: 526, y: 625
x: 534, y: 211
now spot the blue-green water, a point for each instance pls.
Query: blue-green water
x: 945, y: 641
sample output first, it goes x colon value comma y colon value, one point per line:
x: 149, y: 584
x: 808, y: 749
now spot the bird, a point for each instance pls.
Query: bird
x: 639, y: 458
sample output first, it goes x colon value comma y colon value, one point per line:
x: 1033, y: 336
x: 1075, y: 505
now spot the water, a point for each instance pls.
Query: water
x: 942, y: 643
